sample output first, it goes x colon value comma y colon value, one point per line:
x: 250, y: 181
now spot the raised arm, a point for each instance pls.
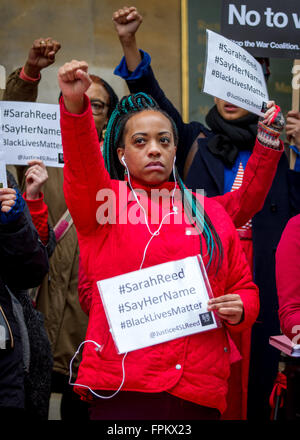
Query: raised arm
x: 127, y: 21
x: 35, y: 177
x: 84, y: 170
x: 135, y: 67
x: 136, y: 70
x: 22, y: 84
x: 261, y: 168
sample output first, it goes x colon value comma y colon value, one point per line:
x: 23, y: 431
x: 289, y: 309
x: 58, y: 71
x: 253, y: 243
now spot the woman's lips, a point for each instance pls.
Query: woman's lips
x: 155, y: 165
x: 230, y: 107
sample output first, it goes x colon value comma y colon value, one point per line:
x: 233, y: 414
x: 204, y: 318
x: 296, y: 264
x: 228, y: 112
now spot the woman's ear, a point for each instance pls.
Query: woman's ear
x: 120, y: 153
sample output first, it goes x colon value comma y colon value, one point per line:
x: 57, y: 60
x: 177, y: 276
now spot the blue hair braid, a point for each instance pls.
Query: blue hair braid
x: 203, y: 224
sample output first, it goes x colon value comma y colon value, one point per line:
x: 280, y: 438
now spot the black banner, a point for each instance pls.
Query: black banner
x: 269, y: 28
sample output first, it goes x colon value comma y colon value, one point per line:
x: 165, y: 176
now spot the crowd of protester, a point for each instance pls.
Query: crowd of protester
x: 247, y: 233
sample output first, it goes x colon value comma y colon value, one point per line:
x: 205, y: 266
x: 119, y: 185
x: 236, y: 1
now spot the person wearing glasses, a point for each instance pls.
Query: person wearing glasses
x: 65, y: 321
x: 103, y: 101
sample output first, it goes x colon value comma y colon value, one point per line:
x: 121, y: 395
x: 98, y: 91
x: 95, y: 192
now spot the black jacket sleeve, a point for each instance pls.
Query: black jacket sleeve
x: 23, y: 257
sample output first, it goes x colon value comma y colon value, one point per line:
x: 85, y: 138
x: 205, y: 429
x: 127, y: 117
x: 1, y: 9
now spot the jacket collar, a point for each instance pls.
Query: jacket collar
x: 137, y: 184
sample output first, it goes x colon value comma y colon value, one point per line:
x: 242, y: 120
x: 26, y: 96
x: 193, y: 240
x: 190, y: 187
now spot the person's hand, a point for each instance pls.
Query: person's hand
x: 292, y: 128
x: 270, y: 126
x: 127, y: 21
x: 41, y: 55
x: 35, y: 177
x: 228, y: 307
x: 273, y: 116
x: 74, y: 80
x: 7, y: 198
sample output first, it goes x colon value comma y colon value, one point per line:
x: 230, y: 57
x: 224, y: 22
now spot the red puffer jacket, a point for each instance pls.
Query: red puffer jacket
x: 288, y: 279
x: 194, y: 368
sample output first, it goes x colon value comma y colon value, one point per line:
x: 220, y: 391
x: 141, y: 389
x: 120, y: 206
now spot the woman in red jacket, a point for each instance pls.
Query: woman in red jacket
x: 288, y: 279
x: 184, y: 378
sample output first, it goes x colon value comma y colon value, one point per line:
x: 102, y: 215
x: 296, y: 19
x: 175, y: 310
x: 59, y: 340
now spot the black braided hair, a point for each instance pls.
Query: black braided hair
x: 126, y: 108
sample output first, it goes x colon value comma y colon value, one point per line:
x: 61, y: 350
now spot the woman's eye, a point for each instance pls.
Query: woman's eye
x: 139, y: 140
x: 165, y: 140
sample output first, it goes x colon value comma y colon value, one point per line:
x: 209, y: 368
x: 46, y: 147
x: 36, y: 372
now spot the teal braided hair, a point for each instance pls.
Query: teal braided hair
x: 201, y: 221
x: 126, y: 108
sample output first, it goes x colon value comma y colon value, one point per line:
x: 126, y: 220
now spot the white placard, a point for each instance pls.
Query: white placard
x: 31, y: 131
x: 232, y: 74
x: 157, y: 304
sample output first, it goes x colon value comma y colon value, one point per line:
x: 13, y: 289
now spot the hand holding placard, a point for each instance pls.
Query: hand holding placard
x: 228, y: 307
x: 35, y: 177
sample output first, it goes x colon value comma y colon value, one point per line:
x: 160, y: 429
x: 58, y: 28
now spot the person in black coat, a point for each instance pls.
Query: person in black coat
x: 23, y: 264
x: 207, y: 159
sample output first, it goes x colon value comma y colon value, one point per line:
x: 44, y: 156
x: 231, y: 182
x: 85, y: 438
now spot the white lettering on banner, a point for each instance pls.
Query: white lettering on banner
x: 157, y: 304
x: 232, y: 74
x: 262, y: 44
x: 268, y: 13
x: 253, y: 18
x: 243, y: 17
x: 296, y: 21
x: 29, y: 131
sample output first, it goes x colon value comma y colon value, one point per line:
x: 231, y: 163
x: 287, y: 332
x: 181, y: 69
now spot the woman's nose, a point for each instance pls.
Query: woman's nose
x: 154, y: 148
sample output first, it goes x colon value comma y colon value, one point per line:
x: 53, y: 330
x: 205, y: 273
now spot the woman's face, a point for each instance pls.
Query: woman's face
x: 149, y: 148
x: 228, y: 111
x: 100, y: 103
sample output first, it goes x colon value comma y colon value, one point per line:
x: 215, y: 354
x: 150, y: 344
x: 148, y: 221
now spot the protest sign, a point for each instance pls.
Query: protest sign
x: 232, y: 74
x: 265, y: 29
x: 157, y: 304
x: 30, y: 131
